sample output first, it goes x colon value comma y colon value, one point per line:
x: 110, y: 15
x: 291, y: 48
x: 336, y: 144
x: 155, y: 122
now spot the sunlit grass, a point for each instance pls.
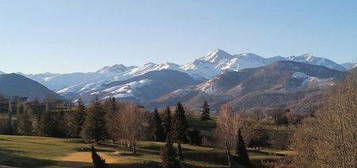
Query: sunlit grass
x: 30, y: 151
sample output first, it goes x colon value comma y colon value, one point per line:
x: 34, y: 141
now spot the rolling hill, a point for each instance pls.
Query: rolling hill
x: 17, y: 85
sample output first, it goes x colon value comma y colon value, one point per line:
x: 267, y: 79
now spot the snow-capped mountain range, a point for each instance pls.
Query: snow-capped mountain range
x: 282, y: 83
x: 214, y: 63
x: 218, y: 61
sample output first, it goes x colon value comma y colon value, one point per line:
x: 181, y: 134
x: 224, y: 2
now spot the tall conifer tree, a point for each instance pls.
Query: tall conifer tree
x: 168, y: 156
x: 180, y: 128
x: 166, y: 123
x: 241, y: 151
x: 156, y: 125
x: 205, y: 112
x: 94, y: 125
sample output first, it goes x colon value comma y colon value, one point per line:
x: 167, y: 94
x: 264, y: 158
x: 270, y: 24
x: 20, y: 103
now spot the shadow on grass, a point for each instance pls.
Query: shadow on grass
x: 10, y: 158
x: 150, y: 152
x: 1, y: 139
x: 130, y: 154
x: 39, y: 143
x: 266, y: 153
x: 150, y: 164
x: 152, y: 147
x: 88, y: 149
x: 212, y: 157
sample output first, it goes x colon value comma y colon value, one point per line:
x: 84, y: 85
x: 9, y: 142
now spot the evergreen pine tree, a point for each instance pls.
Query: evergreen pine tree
x: 78, y: 119
x: 111, y: 108
x: 180, y: 128
x: 166, y: 123
x: 168, y: 156
x: 98, y: 162
x: 156, y: 125
x: 195, y: 137
x: 94, y: 126
x: 205, y: 115
x: 241, y: 151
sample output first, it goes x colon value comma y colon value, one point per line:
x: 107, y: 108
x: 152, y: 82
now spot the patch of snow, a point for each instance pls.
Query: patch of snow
x: 318, y: 82
x: 300, y: 75
x: 125, y: 90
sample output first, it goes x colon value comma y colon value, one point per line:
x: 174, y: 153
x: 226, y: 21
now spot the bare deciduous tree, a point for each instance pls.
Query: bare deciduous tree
x: 227, y: 126
x: 130, y: 124
x: 330, y: 139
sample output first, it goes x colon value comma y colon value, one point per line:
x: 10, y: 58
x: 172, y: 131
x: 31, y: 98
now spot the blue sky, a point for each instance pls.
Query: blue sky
x: 84, y: 35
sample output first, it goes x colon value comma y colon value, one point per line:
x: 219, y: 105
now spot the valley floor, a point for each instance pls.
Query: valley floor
x: 29, y: 151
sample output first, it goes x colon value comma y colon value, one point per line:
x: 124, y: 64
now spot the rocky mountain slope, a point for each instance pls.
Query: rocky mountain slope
x: 278, y: 84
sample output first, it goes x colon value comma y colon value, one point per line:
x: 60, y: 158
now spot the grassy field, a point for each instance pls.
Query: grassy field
x: 27, y: 151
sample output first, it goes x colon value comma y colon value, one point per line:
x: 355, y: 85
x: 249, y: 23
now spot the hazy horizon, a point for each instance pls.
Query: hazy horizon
x: 84, y: 36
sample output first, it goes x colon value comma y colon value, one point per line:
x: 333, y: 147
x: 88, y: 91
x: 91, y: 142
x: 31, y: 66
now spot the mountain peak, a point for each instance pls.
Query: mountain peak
x: 249, y: 55
x: 310, y: 59
x: 217, y: 55
x: 307, y: 57
x: 117, y: 68
x: 149, y: 64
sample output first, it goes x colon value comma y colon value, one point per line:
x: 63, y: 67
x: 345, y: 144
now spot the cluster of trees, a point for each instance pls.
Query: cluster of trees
x: 165, y: 124
x: 172, y: 128
x: 34, y: 118
x: 124, y: 123
x: 329, y: 137
x: 120, y: 122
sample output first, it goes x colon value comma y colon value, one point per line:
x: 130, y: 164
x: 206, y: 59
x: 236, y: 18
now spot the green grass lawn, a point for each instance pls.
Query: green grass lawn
x: 28, y: 151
